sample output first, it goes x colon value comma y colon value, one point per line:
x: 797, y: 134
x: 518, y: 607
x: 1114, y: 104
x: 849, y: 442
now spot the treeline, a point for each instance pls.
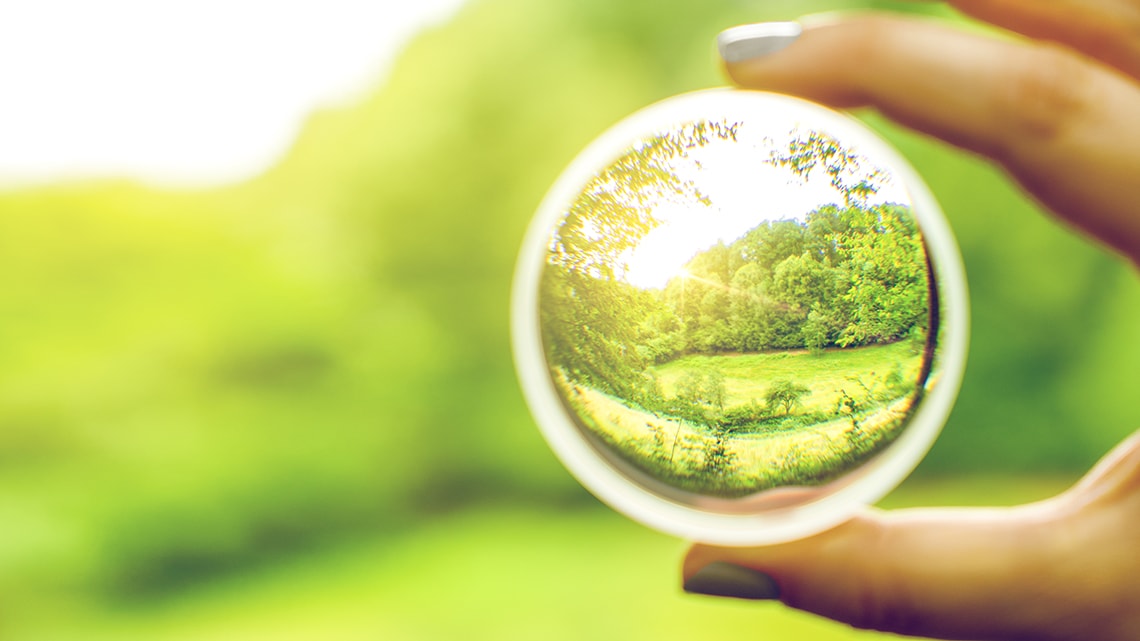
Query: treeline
x: 841, y: 277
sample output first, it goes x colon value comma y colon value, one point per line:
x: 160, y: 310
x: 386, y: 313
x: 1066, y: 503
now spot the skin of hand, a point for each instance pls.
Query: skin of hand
x: 1059, y: 109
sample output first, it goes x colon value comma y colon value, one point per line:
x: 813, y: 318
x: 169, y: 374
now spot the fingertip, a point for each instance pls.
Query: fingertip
x: 810, y: 65
x: 755, y: 41
x: 697, y: 557
x: 721, y: 579
x: 832, y: 548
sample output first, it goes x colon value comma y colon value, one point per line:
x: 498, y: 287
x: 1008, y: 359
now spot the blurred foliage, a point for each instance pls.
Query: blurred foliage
x: 199, y: 383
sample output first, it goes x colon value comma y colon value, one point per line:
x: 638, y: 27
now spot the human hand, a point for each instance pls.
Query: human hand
x: 1062, y: 114
x: 1061, y: 569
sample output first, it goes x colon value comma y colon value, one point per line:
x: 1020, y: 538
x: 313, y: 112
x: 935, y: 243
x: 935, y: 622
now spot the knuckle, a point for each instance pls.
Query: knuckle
x: 883, y: 606
x: 865, y: 45
x: 1047, y: 91
x: 882, y: 602
x: 867, y: 38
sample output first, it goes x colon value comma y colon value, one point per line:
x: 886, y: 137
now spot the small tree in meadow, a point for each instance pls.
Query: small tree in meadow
x: 786, y: 395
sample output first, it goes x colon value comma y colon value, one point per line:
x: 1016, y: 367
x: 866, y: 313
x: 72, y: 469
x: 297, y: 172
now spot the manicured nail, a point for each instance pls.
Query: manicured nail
x: 728, y: 580
x: 751, y: 41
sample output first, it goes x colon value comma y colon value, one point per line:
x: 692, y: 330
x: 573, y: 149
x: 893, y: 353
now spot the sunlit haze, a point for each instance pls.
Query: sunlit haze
x: 183, y: 93
x: 744, y: 191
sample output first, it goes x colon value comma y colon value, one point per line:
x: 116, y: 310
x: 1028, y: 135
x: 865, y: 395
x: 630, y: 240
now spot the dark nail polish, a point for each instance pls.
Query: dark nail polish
x: 728, y: 580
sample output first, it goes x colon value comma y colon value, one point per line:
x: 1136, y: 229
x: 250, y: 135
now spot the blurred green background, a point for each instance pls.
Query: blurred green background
x: 287, y: 409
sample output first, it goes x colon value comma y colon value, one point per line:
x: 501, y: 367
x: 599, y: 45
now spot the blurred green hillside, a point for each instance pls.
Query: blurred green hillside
x: 203, y: 387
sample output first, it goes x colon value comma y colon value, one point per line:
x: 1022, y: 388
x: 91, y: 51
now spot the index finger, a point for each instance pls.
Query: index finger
x: 1063, y: 126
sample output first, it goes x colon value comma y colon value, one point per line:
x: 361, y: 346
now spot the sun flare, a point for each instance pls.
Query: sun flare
x: 653, y: 265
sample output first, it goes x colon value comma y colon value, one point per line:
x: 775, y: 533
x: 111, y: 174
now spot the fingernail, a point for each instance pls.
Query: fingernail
x: 751, y: 41
x: 728, y: 580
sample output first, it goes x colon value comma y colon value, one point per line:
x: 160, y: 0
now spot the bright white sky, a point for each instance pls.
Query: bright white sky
x: 745, y: 192
x: 183, y: 92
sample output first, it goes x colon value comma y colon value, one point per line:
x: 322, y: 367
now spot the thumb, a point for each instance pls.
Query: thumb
x: 951, y: 573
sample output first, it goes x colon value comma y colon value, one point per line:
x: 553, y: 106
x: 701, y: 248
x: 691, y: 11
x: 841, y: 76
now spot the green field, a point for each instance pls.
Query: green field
x: 812, y: 445
x: 747, y: 376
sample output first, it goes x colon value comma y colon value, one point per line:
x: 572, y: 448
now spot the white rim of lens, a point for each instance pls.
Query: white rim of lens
x: 869, y: 483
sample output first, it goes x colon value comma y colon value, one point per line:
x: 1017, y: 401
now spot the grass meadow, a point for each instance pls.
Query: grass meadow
x: 828, y: 374
x: 818, y: 441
